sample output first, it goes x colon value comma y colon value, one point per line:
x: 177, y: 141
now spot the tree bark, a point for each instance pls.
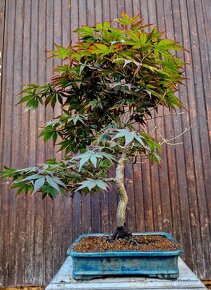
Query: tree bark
x: 123, y: 198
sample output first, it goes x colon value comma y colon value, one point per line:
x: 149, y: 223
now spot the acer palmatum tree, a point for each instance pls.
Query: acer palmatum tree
x: 112, y: 82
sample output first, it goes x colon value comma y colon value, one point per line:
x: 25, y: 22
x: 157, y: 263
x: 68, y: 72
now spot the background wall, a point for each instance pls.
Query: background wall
x: 173, y: 197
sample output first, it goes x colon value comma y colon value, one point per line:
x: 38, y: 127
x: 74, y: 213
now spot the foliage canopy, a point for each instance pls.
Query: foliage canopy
x: 112, y: 79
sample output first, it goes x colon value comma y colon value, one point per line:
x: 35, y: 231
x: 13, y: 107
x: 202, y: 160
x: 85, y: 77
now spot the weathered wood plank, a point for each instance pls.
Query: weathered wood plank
x: 58, y: 205
x: 49, y: 152
x: 147, y: 6
x: 177, y: 172
x: 191, y: 195
x: 173, y: 128
x: 3, y: 187
x: 17, y: 137
x: 67, y: 214
x: 197, y: 120
x: 205, y: 78
x: 173, y: 197
x: 9, y: 201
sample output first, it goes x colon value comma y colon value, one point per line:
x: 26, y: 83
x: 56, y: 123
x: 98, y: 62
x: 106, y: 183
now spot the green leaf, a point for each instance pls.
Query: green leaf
x: 49, y: 191
x: 77, y: 118
x: 93, y: 159
x: 114, y: 76
x: 32, y: 177
x: 91, y: 156
x: 38, y: 184
x: 61, y: 52
x: 85, y: 31
x: 83, y: 161
x: 143, y: 38
x: 155, y: 157
x: 101, y: 184
x: 21, y: 188
x: 108, y: 156
x: 101, y: 139
x: 139, y: 139
x: 89, y: 183
x: 102, y: 49
x: 24, y: 99
x: 129, y: 136
x: 168, y: 44
x: 28, y: 169
x: 7, y: 172
x: 50, y: 131
x: 58, y: 181
x: 51, y: 181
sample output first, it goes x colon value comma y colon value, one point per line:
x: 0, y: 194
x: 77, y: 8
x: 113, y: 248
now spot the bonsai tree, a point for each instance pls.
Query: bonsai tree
x: 111, y: 82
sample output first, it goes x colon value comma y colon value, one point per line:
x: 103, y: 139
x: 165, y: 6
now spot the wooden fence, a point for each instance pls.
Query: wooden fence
x: 173, y: 197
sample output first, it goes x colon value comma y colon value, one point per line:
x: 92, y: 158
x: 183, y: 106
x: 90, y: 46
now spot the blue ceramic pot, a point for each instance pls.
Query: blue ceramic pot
x: 160, y: 264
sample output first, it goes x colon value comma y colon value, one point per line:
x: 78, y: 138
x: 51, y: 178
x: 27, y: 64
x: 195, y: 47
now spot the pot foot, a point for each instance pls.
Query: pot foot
x: 169, y: 276
x: 85, y: 277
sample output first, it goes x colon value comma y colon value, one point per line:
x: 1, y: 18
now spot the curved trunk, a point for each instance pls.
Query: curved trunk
x: 123, y: 198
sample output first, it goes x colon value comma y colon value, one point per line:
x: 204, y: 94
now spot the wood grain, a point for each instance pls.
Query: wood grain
x: 173, y: 197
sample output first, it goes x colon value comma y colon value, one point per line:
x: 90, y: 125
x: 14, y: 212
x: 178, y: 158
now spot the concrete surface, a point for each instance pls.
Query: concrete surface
x: 64, y: 281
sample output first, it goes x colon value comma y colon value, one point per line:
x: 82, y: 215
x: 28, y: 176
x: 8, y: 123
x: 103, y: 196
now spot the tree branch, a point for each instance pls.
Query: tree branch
x: 111, y: 179
x: 123, y: 198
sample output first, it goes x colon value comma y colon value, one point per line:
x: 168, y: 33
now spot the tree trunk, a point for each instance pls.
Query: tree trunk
x: 123, y: 198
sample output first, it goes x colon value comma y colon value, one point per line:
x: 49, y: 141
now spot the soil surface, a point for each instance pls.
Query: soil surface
x: 136, y: 243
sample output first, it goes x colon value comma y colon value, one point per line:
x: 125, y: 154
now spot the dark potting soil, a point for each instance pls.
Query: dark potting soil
x: 137, y: 243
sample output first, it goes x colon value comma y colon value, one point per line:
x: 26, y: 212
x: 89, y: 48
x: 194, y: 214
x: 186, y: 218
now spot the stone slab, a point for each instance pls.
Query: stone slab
x: 63, y: 281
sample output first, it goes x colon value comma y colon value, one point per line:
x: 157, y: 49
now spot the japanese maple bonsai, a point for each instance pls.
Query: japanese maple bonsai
x: 112, y: 81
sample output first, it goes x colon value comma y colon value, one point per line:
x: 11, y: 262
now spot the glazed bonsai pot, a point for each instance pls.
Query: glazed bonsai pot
x: 158, y: 264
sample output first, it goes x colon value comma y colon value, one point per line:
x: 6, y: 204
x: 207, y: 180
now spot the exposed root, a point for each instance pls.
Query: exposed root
x: 120, y: 233
x: 133, y: 242
x: 124, y: 234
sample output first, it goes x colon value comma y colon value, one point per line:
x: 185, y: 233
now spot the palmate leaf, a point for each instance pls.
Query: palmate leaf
x: 58, y: 181
x: 84, y: 159
x: 173, y: 102
x: 27, y: 170
x: 51, y: 181
x: 102, y: 138
x: 92, y: 157
x: 168, y: 44
x: 38, y: 184
x: 77, y: 118
x: 7, y: 172
x: 85, y: 31
x: 90, y: 184
x: 155, y: 157
x: 48, y: 190
x: 127, y: 20
x: 50, y: 131
x: 110, y: 72
x: 137, y: 40
x: 129, y: 136
x: 32, y: 177
x: 93, y: 160
x: 61, y: 52
x: 102, y: 49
